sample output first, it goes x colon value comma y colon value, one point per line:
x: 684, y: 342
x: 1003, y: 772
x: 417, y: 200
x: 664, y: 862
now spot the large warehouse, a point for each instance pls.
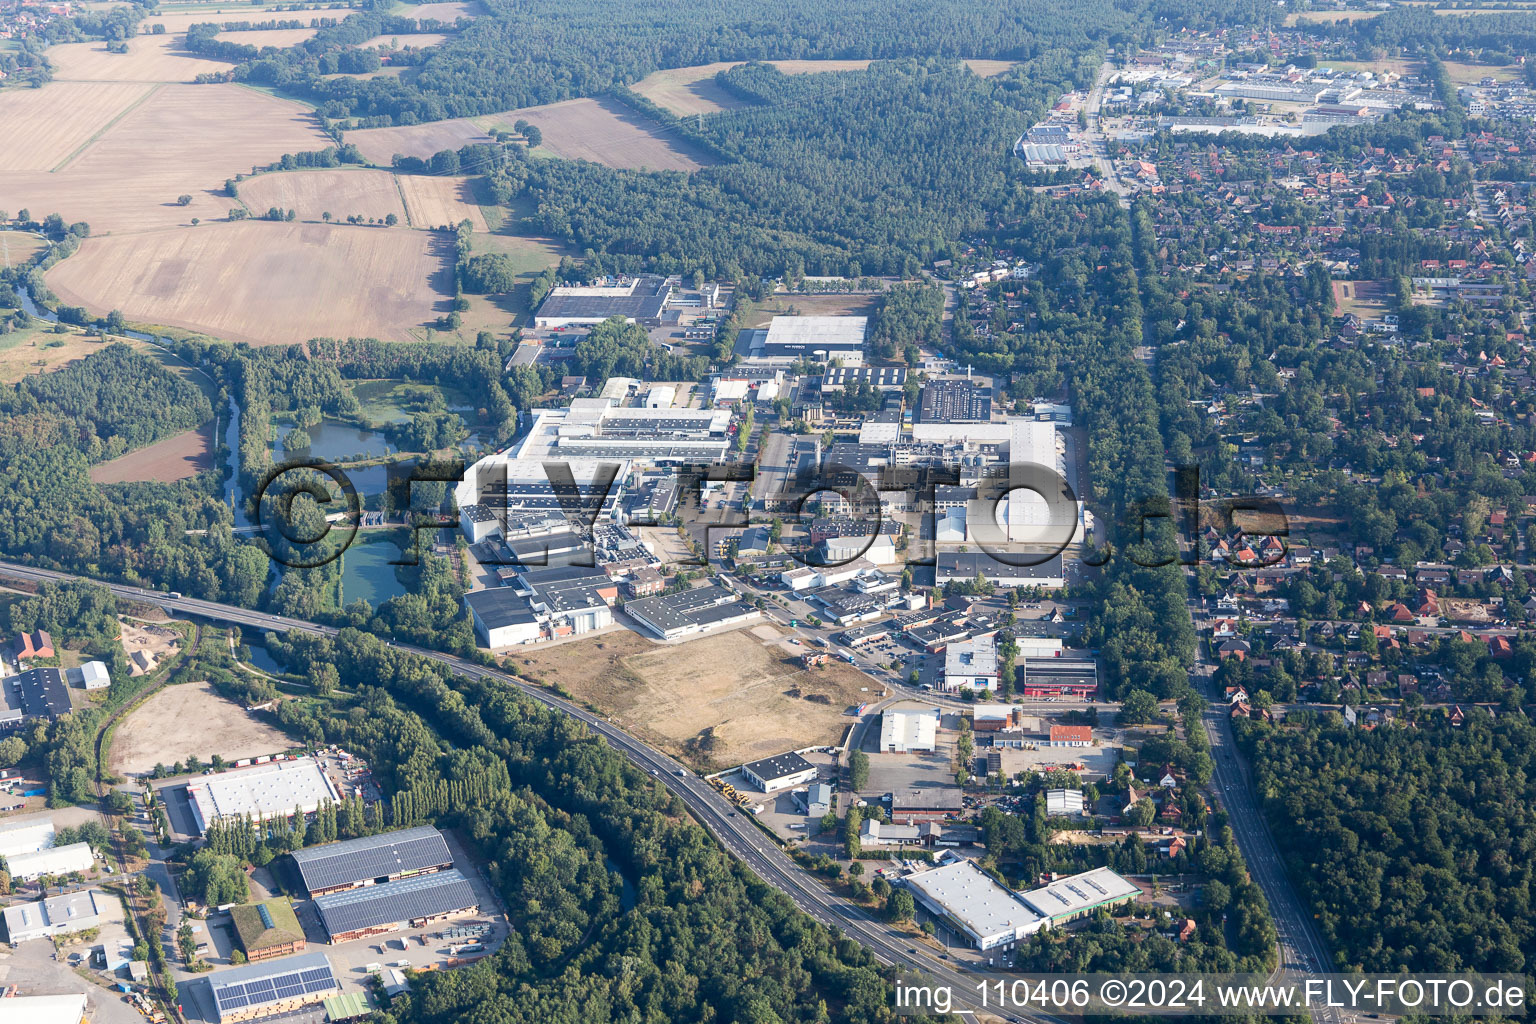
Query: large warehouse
x: 55, y: 860
x: 405, y: 903
x: 25, y: 835
x: 820, y: 339
x: 267, y: 989
x: 971, y: 902
x: 56, y: 915
x: 265, y: 791
x: 1076, y: 895
x: 372, y: 860
x: 781, y: 771
x: 636, y: 299
x: 671, y: 616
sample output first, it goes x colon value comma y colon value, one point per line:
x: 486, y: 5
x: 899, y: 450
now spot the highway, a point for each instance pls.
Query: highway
x: 736, y: 831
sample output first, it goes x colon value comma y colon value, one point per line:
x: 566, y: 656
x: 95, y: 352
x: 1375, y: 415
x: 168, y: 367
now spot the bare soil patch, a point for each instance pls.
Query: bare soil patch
x: 190, y: 718
x: 380, y: 145
x: 177, y: 457
x: 264, y: 283
x: 152, y: 642
x: 719, y: 700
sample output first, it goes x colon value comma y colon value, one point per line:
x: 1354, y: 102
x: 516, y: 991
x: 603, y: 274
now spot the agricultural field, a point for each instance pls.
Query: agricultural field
x: 720, y: 700
x: 498, y: 313
x: 177, y: 22
x: 178, y: 457
x: 19, y: 247
x: 604, y: 132
x: 149, y: 59
x: 380, y: 145
x: 282, y: 38
x: 399, y: 41
x: 41, y: 137
x: 692, y: 90
x: 437, y: 201
x: 206, y: 724
x: 39, y: 350
x: 447, y: 12
x: 182, y: 139
x: 1330, y: 17
x: 1472, y: 74
x: 265, y: 283
x: 341, y: 192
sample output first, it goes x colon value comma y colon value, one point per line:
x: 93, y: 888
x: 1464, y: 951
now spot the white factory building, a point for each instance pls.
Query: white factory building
x: 25, y: 835
x: 902, y: 732
x: 65, y: 1009
x: 263, y: 791
x: 69, y: 912
x: 971, y: 665
x: 1068, y: 898
x: 55, y: 860
x: 820, y: 339
x: 973, y: 903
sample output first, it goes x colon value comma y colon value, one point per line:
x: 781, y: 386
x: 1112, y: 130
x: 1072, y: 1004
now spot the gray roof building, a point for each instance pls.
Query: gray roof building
x: 372, y: 860
x: 272, y: 986
x: 393, y: 905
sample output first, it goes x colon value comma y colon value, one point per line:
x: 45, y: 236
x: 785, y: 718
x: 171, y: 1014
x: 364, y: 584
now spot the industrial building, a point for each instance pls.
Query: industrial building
x: 25, y: 835
x: 1070, y: 736
x: 971, y: 902
x: 92, y: 675
x: 635, y: 299
x: 267, y: 929
x: 971, y: 665
x: 1064, y: 803
x: 1072, y: 897
x: 55, y: 860
x: 903, y: 732
x: 65, y: 1009
x: 771, y: 774
x: 268, y: 989
x: 56, y: 915
x: 955, y: 401
x: 1050, y: 574
x: 404, y: 903
x: 372, y: 860
x: 817, y: 799
x: 502, y: 617
x: 264, y: 791
x: 820, y: 339
x: 881, y: 378
x: 672, y: 616
x: 38, y: 694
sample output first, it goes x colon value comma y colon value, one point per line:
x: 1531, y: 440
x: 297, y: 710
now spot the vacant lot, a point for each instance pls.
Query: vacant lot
x: 181, y: 140
x: 1472, y: 74
x: 812, y: 305
x: 692, y: 90
x: 149, y: 59
x: 341, y: 192
x: 435, y: 202
x: 190, y: 718
x: 605, y: 132
x: 1363, y: 298
x: 720, y: 700
x: 154, y: 642
x: 380, y: 145
x: 177, y: 457
x: 41, y: 136
x: 264, y: 283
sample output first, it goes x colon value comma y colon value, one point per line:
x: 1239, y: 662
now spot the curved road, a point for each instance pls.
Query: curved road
x: 735, y: 830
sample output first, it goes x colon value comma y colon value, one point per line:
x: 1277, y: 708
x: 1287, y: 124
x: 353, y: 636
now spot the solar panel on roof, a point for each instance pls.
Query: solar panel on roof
x: 317, y: 974
x: 321, y: 985
x: 261, y: 988
x: 288, y: 991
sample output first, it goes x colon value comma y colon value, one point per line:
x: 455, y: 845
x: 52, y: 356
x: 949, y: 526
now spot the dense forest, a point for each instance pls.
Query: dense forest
x: 1413, y: 845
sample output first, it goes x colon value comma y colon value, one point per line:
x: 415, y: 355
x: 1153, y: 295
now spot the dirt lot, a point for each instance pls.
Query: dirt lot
x: 40, y: 139
x: 264, y: 283
x: 605, y: 132
x: 1363, y: 298
x: 341, y: 192
x: 434, y: 201
x: 176, y: 457
x: 203, y: 724
x: 692, y: 90
x: 149, y: 59
x: 157, y: 642
x: 718, y: 701
x: 182, y: 139
x: 813, y: 305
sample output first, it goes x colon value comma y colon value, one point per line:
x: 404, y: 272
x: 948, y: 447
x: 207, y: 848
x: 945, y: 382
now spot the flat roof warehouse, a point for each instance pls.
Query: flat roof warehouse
x: 265, y: 791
